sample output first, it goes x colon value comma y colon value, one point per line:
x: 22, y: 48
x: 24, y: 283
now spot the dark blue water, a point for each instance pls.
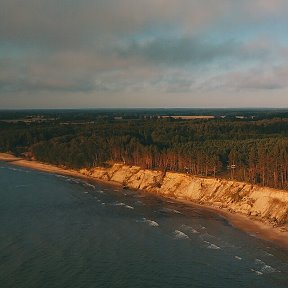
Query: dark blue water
x: 62, y: 232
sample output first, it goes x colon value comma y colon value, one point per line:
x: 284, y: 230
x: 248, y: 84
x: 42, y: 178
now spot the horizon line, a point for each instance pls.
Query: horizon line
x: 145, y: 108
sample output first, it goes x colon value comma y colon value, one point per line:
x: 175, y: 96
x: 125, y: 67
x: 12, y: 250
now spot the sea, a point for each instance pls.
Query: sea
x: 59, y: 231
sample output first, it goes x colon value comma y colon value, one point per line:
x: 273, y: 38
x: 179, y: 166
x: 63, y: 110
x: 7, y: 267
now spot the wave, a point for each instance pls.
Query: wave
x: 23, y: 185
x: 268, y: 269
x: 212, y: 246
x: 123, y: 205
x: 237, y: 257
x: 118, y: 204
x: 259, y: 261
x: 189, y: 228
x: 206, y: 236
x: 150, y: 222
x: 18, y: 170
x: 138, y: 202
x: 169, y: 210
x: 14, y: 169
x: 89, y: 185
x: 257, y: 272
x: 68, y: 179
x: 180, y: 235
x: 60, y: 176
x: 76, y: 181
x: 268, y: 254
x: 263, y: 267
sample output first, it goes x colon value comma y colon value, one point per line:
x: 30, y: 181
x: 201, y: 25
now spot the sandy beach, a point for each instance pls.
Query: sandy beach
x: 253, y: 227
x: 250, y: 225
x: 49, y: 168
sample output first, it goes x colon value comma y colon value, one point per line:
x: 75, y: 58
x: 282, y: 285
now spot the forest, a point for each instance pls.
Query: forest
x: 251, y: 149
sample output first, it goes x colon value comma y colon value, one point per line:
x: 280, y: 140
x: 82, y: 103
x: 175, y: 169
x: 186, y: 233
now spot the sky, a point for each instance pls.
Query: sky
x: 143, y: 53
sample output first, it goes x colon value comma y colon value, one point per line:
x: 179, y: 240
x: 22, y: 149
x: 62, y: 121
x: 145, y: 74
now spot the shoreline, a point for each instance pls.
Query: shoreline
x: 49, y: 168
x: 252, y: 226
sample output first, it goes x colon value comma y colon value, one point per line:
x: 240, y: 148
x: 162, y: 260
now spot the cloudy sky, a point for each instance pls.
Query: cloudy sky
x: 143, y: 53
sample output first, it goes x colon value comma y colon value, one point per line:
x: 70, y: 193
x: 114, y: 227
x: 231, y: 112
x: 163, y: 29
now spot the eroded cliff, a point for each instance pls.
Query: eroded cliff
x: 264, y: 203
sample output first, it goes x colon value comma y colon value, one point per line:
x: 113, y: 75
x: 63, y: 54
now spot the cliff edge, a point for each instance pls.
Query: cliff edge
x: 263, y: 203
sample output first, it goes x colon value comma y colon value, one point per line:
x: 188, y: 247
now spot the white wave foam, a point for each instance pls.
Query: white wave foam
x: 89, y: 185
x: 264, y: 268
x: 257, y: 272
x: 268, y: 254
x: 123, y: 205
x: 18, y: 170
x: 100, y: 191
x: 206, y: 236
x: 86, y: 192
x: 14, y: 169
x: 23, y: 185
x: 150, y: 222
x: 119, y: 204
x: 237, y: 257
x: 180, y: 235
x: 259, y: 261
x: 176, y: 211
x: 212, y: 246
x: 268, y: 269
x: 190, y: 229
x: 168, y: 210
x: 61, y: 176
x: 138, y: 202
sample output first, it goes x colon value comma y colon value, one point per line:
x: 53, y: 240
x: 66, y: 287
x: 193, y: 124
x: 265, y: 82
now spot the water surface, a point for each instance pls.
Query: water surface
x: 57, y: 231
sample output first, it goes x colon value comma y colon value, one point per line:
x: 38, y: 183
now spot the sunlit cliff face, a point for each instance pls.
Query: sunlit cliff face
x: 262, y: 202
x: 134, y: 53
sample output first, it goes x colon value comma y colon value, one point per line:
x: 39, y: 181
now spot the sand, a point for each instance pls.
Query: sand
x: 250, y: 225
x: 49, y: 168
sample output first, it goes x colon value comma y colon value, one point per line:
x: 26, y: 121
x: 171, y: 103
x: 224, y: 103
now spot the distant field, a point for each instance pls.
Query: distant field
x: 189, y: 117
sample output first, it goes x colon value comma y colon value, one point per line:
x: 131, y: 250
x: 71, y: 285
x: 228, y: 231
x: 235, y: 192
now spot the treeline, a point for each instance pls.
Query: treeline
x: 251, y: 151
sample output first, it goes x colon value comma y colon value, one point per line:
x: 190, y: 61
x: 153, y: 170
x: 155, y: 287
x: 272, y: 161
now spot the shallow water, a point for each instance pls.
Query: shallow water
x: 57, y: 231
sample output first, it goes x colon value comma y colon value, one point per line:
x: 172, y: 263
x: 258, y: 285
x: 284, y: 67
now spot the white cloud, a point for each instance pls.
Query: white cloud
x: 141, y: 47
